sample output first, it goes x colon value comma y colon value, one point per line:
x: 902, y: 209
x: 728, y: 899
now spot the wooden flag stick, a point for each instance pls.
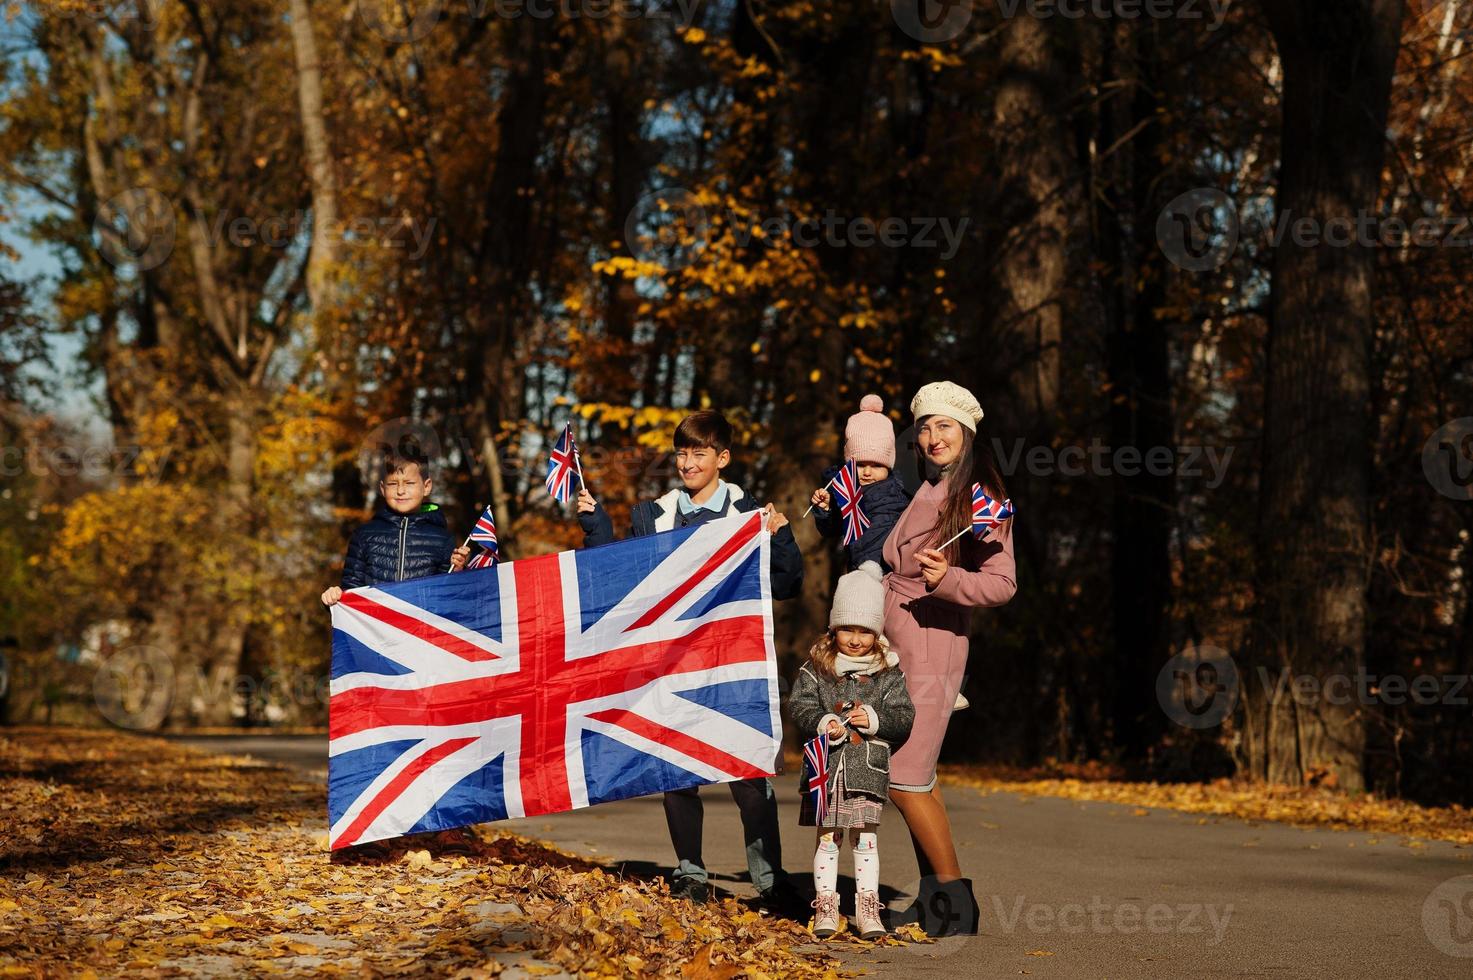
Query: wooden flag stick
x: 578, y: 465
x: 954, y: 537
x: 825, y: 486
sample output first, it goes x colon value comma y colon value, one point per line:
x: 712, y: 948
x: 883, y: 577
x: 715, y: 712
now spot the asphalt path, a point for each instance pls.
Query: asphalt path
x: 1075, y: 889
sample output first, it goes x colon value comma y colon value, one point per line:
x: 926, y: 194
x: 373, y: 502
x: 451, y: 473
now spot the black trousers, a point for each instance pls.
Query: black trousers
x: 685, y: 815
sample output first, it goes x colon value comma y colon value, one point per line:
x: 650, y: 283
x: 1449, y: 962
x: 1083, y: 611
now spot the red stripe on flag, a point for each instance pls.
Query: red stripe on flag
x: 448, y: 642
x: 545, y: 664
x: 718, y: 644
x: 680, y: 742
x: 391, y: 792
x: 736, y: 543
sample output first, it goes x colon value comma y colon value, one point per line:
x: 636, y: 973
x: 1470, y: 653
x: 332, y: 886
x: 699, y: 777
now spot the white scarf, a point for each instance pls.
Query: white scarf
x: 871, y: 664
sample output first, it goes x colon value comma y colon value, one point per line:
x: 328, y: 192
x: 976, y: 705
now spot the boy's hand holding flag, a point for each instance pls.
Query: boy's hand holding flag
x: 483, y: 534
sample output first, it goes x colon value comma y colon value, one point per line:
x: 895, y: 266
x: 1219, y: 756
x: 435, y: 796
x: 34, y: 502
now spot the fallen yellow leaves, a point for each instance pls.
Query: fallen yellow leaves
x: 129, y: 853
x: 1301, y: 806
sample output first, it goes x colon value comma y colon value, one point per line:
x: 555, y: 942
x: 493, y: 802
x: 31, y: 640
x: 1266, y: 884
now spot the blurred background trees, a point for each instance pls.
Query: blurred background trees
x: 249, y: 242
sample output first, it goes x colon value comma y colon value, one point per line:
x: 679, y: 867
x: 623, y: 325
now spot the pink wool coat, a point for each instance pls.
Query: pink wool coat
x: 928, y: 629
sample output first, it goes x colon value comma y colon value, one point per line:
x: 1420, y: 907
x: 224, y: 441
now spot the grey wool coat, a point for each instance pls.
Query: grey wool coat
x: 866, y: 764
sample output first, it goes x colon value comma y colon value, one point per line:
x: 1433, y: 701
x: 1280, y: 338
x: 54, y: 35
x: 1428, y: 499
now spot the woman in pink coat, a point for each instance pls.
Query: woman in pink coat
x: 929, y: 599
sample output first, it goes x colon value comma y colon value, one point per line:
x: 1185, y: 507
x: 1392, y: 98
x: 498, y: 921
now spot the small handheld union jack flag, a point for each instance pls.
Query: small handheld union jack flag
x: 816, y: 775
x: 562, y: 464
x: 846, y: 490
x: 986, y: 514
x: 484, y: 533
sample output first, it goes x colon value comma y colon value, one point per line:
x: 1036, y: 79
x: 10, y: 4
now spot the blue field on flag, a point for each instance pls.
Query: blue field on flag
x: 551, y: 683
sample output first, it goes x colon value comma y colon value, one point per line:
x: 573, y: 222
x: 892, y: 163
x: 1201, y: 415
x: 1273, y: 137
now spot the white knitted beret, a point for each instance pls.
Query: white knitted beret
x: 951, y: 400
x: 859, y: 599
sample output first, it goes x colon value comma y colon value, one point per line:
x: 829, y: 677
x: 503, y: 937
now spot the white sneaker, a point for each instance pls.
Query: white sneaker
x: 961, y: 702
x: 867, y: 915
x: 826, y: 914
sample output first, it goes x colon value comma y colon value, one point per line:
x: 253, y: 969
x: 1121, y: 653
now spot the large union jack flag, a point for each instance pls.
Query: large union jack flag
x: 552, y: 683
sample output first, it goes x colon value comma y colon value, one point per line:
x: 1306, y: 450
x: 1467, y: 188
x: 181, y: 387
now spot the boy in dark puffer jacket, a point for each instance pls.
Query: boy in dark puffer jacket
x: 407, y: 537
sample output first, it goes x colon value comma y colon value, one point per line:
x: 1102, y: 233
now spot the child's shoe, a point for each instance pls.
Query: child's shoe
x: 867, y: 915
x: 826, y: 914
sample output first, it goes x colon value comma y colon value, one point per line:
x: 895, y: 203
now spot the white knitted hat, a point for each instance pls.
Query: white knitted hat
x: 859, y: 599
x: 951, y: 400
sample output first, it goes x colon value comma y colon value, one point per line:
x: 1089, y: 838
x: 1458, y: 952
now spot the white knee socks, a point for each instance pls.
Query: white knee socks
x: 826, y: 864
x: 866, y: 861
x: 866, y: 847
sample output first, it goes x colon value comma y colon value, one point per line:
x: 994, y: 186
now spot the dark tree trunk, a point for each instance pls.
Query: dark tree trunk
x: 1038, y: 194
x: 1140, y: 395
x: 1338, y: 59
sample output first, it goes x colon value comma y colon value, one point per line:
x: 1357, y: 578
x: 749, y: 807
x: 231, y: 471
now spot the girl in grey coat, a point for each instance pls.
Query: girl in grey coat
x: 852, y: 692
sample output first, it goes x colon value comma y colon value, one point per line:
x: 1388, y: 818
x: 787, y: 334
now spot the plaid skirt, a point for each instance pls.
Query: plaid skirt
x: 847, y: 808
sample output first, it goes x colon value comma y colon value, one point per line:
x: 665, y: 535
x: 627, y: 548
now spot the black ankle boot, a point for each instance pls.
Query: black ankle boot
x: 942, y: 908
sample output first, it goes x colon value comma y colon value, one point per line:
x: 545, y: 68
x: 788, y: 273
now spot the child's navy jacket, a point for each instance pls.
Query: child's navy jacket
x: 663, y: 514
x: 882, y: 502
x: 398, y: 547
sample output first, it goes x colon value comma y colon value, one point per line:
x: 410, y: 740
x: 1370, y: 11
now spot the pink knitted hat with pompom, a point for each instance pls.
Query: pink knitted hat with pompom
x: 869, y: 436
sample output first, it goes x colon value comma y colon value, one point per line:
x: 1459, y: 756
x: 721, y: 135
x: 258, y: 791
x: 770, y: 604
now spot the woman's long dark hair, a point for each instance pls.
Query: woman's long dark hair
x: 975, y: 464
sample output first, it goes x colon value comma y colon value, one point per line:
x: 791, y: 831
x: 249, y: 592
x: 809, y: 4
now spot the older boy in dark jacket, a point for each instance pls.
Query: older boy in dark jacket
x: 407, y: 537
x: 702, y: 450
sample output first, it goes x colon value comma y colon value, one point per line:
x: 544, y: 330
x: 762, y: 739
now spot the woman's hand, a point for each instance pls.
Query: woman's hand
x: 933, y: 566
x: 459, y: 557
x: 820, y: 499
x: 835, y: 729
x: 331, y: 596
x: 586, y: 503
x: 858, y: 717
